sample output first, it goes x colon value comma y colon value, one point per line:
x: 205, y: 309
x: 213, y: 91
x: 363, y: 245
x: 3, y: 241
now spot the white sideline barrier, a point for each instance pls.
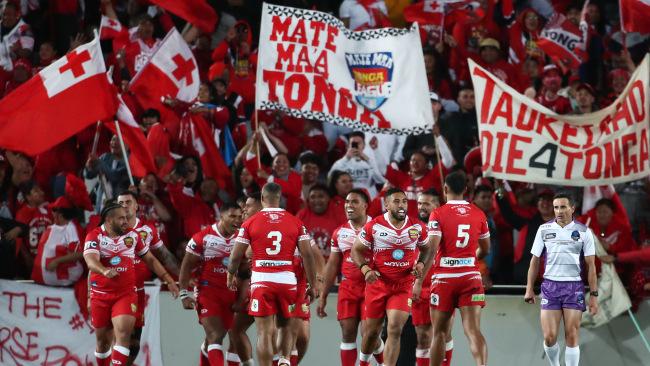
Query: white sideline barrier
x: 510, y: 327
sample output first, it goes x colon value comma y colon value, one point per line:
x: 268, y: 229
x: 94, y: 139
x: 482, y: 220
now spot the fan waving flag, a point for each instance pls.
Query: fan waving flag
x: 197, y: 12
x: 141, y: 159
x: 61, y: 100
x: 634, y: 15
x: 429, y: 14
x: 172, y: 71
x: 113, y: 30
x: 563, y: 42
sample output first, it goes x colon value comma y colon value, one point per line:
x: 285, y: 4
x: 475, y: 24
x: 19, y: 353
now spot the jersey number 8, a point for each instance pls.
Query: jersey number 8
x: 463, y: 236
x: 277, y: 238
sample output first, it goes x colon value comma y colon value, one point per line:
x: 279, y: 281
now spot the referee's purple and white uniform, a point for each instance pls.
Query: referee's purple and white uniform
x: 562, y: 287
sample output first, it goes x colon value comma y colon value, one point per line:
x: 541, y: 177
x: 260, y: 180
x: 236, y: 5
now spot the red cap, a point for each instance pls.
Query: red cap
x: 551, y: 68
x: 472, y: 160
x: 586, y: 87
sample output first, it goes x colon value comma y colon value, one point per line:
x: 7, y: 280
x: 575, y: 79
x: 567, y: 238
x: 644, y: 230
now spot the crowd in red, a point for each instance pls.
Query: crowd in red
x: 316, y: 163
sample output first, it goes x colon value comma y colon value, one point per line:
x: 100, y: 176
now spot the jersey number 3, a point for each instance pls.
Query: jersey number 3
x: 463, y: 236
x: 276, y: 236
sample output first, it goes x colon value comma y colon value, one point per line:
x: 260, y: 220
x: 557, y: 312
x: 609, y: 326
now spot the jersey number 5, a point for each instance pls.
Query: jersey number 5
x: 276, y: 236
x: 463, y: 236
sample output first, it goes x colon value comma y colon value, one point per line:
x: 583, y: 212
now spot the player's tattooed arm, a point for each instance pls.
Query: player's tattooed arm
x: 167, y: 259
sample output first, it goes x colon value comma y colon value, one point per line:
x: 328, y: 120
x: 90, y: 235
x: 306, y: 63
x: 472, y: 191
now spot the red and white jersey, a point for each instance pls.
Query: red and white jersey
x: 57, y: 241
x: 298, y: 267
x: 37, y: 219
x: 117, y: 254
x: 149, y: 235
x: 461, y: 225
x: 214, y: 250
x: 138, y: 53
x: 273, y: 235
x: 394, y: 249
x: 342, y: 241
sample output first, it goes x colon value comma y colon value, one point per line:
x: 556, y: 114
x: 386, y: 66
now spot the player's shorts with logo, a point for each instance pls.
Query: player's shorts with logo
x: 382, y: 295
x: 449, y: 293
x: 302, y: 302
x: 350, y: 300
x: 558, y: 295
x: 104, y: 308
x: 142, y: 302
x: 213, y: 301
x: 269, y: 298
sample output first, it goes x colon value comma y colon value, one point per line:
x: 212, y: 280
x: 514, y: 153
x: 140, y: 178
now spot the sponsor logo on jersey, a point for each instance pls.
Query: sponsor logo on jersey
x: 93, y: 283
x: 270, y: 263
x: 549, y: 236
x: 456, y: 262
x: 255, y: 305
x: 435, y: 299
x: 91, y: 245
x: 115, y: 261
x: 203, y: 311
x: 581, y: 299
x: 544, y: 301
x: 462, y: 211
x: 575, y: 235
x: 414, y: 233
x: 398, y: 254
x: 305, y: 308
x: 191, y: 245
x: 383, y: 234
x: 434, y: 225
x: 292, y: 308
x: 397, y: 264
x: 225, y: 261
x: 372, y: 74
x: 128, y: 241
x: 478, y: 297
x: 409, y: 302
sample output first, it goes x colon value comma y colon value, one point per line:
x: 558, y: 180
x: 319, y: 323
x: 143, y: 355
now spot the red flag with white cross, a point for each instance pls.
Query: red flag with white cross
x: 61, y: 100
x: 172, y: 71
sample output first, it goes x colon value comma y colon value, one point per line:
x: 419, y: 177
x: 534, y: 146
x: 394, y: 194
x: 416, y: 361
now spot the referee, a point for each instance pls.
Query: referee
x: 563, y: 241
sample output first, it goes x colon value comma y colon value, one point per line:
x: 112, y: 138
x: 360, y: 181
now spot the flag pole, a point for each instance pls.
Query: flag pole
x: 93, y: 151
x: 257, y: 143
x: 439, y: 164
x: 124, y: 155
x: 638, y: 328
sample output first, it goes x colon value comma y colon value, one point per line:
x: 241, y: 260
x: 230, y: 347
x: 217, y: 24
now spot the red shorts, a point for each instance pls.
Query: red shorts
x: 450, y: 293
x: 302, y: 302
x: 215, y: 302
x: 420, y: 313
x: 270, y: 298
x: 139, y: 317
x: 103, y: 310
x: 382, y: 296
x: 350, y: 302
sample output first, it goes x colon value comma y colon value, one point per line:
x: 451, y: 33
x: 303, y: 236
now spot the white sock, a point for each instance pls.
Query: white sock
x: 233, y: 357
x: 364, y: 357
x: 283, y: 361
x: 204, y: 351
x: 123, y: 350
x: 348, y: 346
x: 422, y: 353
x: 294, y: 352
x: 248, y: 363
x: 449, y: 345
x: 553, y: 354
x: 572, y: 355
x: 379, y: 349
x: 103, y: 356
x: 216, y: 346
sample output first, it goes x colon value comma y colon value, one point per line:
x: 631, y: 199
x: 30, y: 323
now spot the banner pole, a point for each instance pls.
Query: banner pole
x: 638, y: 328
x: 257, y: 143
x: 440, y: 173
x: 93, y: 151
x: 124, y: 155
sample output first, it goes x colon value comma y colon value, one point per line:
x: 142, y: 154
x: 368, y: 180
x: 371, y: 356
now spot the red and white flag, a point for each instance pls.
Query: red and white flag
x: 61, y: 100
x: 197, y: 12
x: 172, y: 71
x: 634, y: 15
x: 563, y: 42
x: 430, y: 16
x: 201, y: 139
x: 112, y: 29
x: 140, y: 159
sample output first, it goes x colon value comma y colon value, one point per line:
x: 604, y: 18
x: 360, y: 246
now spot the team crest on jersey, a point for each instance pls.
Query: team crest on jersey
x: 274, y: 216
x: 143, y: 235
x: 128, y: 242
x: 305, y: 308
x: 575, y: 235
x: 372, y: 74
x: 549, y: 236
x: 398, y: 254
x: 414, y: 233
x: 462, y: 211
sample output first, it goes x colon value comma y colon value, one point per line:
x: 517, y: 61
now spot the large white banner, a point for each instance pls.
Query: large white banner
x: 311, y: 66
x: 42, y: 325
x: 524, y: 141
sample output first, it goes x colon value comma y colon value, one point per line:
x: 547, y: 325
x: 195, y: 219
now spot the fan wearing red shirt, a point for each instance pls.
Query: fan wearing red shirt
x: 393, y: 239
x: 320, y: 217
x: 209, y: 250
x: 349, y: 308
x: 459, y: 235
x: 548, y: 97
x: 151, y: 240
x: 273, y: 235
x: 34, y: 214
x: 109, y: 252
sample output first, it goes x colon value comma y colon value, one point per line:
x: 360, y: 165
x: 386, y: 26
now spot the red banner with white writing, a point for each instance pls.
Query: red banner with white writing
x: 41, y: 325
x: 524, y: 141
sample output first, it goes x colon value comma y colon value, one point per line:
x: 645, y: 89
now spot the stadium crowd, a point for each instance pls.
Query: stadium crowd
x: 317, y: 164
